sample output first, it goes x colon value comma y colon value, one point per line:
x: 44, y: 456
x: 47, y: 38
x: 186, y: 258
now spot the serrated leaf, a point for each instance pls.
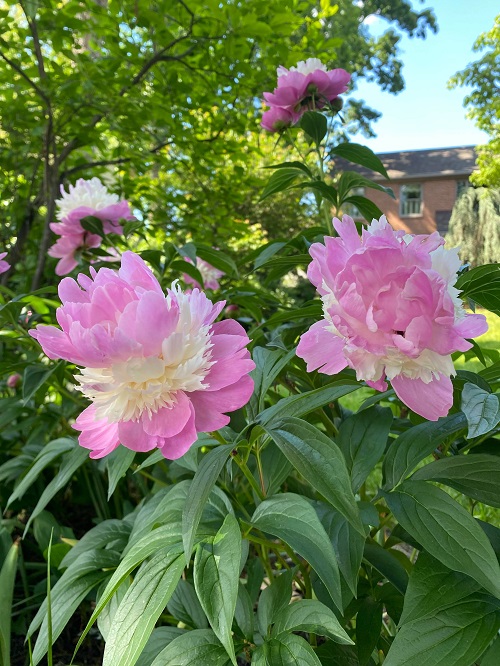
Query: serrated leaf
x: 362, y: 439
x: 291, y: 518
x: 204, y: 480
x: 446, y: 530
x: 319, y: 460
x: 476, y: 475
x: 142, y: 605
x: 452, y: 627
x: 355, y: 152
x: 200, y: 646
x: 481, y: 408
x: 216, y: 578
x: 310, y: 616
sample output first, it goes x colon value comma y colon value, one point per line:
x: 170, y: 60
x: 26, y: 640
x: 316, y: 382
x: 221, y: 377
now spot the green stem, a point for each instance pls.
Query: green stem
x: 249, y: 476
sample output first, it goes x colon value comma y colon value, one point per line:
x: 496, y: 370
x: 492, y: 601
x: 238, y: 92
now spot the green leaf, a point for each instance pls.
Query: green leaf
x: 200, y: 646
x: 273, y: 599
x: 142, y: 605
x: 368, y: 627
x: 159, y: 639
x: 482, y: 285
x: 452, y: 627
x: 417, y: 443
x: 303, y: 403
x: 48, y: 454
x: 93, y: 225
x: 367, y: 208
x: 185, y: 606
x: 204, y: 480
x: 328, y: 192
x: 7, y: 580
x: 355, y: 152
x: 150, y: 544
x: 346, y: 541
x: 476, y: 475
x: 481, y: 408
x: 315, y: 125
x: 34, y: 377
x: 310, y: 616
x: 280, y: 180
x: 293, y: 165
x: 492, y: 655
x: 71, y: 462
x: 350, y: 180
x: 181, y: 266
x: 385, y: 562
x: 108, y: 531
x: 446, y: 530
x: 267, y: 253
x: 287, y: 650
x: 105, y: 619
x: 218, y: 259
x: 243, y: 613
x: 216, y: 578
x: 333, y: 654
x: 67, y: 594
x: 117, y: 464
x: 319, y: 460
x: 291, y: 518
x: 362, y: 439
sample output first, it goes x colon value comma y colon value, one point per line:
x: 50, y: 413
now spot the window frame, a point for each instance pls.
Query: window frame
x: 403, y: 201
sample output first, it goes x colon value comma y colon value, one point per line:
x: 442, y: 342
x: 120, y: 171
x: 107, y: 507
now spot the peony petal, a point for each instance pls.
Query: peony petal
x: 134, y: 271
x: 168, y: 421
x: 175, y: 447
x: 209, y: 406
x: 132, y: 435
x: 99, y: 436
x: 431, y: 400
x: 322, y: 350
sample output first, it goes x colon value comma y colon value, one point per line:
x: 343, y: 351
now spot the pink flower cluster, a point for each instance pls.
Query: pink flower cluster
x: 391, y: 311
x: 85, y: 198
x: 157, y: 369
x: 307, y: 86
x: 4, y: 265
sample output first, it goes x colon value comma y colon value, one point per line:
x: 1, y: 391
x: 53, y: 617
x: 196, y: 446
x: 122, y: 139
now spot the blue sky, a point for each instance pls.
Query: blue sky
x: 426, y: 114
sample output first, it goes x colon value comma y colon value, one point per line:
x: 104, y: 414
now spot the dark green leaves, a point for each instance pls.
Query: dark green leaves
x: 273, y: 599
x: 281, y: 180
x: 446, y: 530
x: 481, y: 408
x: 362, y: 439
x: 216, y: 578
x: 93, y: 225
x: 320, y: 462
x: 314, y: 125
x: 310, y: 616
x: 482, y: 285
x: 447, y: 619
x: 200, y: 646
x: 286, y: 650
x: 291, y: 518
x: 8, y: 570
x: 476, y: 475
x: 354, y: 152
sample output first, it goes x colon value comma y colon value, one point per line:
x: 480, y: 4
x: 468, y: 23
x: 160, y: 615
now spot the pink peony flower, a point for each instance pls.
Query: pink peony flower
x: 14, y: 380
x: 90, y: 197
x: 390, y: 312
x: 68, y: 246
x: 4, y: 265
x: 277, y: 119
x: 308, y: 86
x: 209, y: 274
x: 156, y: 368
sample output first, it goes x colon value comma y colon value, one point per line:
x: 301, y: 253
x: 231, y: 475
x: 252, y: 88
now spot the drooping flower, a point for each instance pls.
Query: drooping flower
x: 277, y: 119
x: 157, y: 369
x: 85, y: 198
x: 209, y: 273
x: 307, y: 86
x: 4, y: 265
x: 69, y: 246
x: 391, y: 311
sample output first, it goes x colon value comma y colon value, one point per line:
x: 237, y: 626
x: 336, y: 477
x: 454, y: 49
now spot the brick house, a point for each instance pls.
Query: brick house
x: 426, y: 184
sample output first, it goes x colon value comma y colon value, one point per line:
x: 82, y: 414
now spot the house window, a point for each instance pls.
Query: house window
x: 411, y: 200
x: 349, y: 208
x: 462, y: 185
